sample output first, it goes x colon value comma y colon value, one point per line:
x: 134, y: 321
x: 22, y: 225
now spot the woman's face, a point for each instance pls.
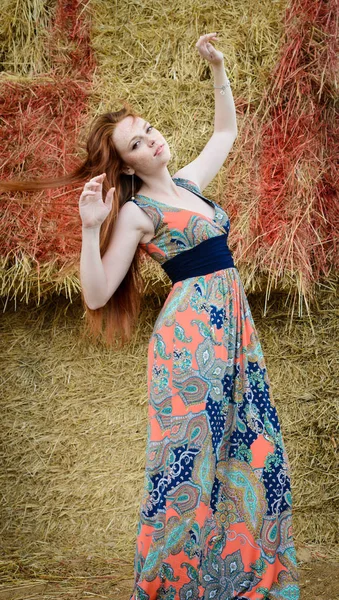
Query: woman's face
x: 136, y: 141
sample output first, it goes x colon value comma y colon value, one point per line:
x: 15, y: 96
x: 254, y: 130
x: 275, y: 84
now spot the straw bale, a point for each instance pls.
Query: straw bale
x: 74, y: 425
x: 45, y: 36
x: 24, y: 35
x: 146, y: 53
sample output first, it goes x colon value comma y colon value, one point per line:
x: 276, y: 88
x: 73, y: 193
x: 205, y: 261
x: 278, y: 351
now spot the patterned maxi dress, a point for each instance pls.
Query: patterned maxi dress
x: 216, y: 511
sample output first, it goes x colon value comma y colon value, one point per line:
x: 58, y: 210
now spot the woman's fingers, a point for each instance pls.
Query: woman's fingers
x: 109, y: 198
x: 87, y: 193
x: 205, y: 44
x: 95, y: 181
x: 90, y: 186
x: 94, y: 184
x: 205, y: 36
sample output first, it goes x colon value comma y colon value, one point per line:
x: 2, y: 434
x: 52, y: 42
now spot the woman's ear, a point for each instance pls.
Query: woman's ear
x: 128, y: 170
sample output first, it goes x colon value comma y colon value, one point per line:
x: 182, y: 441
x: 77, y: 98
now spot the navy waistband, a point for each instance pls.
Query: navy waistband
x: 208, y: 256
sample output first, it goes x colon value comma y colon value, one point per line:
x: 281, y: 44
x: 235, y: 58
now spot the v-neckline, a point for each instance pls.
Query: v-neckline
x: 193, y: 212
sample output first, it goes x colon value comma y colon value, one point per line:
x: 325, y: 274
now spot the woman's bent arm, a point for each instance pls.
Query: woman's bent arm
x: 92, y: 274
x: 100, y: 277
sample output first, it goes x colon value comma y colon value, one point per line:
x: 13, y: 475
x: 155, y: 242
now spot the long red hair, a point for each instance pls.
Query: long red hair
x: 116, y: 320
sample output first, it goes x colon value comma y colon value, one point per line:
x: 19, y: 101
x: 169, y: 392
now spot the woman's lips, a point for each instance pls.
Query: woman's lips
x: 160, y: 149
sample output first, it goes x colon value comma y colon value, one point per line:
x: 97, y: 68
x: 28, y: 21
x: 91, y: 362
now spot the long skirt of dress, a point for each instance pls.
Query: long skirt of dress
x: 216, y: 511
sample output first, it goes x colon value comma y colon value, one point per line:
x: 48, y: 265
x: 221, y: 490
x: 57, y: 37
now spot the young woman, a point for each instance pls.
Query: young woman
x: 216, y: 511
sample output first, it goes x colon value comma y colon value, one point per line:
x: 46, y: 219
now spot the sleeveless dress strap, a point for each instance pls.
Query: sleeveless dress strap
x: 187, y: 183
x: 151, y: 211
x: 193, y: 187
x: 155, y: 213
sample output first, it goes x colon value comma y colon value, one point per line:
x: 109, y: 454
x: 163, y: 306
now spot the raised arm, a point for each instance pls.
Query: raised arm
x: 205, y: 167
x: 101, y: 276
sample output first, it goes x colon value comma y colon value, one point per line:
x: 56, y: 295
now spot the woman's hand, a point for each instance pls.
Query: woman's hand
x: 93, y: 211
x: 206, y: 50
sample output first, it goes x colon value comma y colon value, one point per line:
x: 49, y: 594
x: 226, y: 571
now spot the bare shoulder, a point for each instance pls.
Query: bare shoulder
x: 131, y: 216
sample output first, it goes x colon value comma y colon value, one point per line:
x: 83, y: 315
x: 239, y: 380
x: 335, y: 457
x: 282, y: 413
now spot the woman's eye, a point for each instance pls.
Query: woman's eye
x: 149, y: 127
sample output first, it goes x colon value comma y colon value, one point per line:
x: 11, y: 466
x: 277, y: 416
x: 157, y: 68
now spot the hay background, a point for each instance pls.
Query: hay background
x: 146, y: 52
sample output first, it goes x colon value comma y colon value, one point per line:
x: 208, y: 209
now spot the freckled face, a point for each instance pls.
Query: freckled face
x: 136, y: 141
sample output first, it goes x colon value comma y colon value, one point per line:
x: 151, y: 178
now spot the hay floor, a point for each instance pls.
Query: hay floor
x: 319, y: 580
x: 73, y: 413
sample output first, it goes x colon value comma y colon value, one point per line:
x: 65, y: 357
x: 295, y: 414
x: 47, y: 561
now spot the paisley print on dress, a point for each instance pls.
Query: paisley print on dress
x: 216, y: 510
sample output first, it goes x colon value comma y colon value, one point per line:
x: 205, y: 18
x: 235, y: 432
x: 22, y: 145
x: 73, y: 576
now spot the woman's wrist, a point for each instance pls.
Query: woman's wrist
x: 220, y: 78
x: 219, y: 66
x: 90, y: 231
